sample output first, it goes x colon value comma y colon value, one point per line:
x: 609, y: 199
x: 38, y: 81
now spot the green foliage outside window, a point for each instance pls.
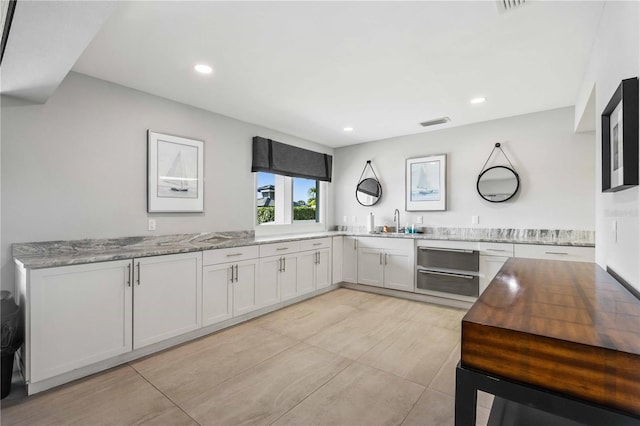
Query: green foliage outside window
x: 268, y: 214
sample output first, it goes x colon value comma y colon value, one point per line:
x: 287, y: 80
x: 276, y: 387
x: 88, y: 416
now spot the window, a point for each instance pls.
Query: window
x: 283, y: 200
x: 305, y: 199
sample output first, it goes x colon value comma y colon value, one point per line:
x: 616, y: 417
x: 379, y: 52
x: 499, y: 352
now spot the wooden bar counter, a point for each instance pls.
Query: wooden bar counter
x: 566, y: 327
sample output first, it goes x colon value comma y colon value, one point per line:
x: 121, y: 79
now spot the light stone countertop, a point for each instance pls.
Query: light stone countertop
x: 46, y: 254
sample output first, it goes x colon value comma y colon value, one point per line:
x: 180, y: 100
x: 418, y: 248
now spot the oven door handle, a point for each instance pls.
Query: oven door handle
x: 446, y: 249
x: 448, y: 274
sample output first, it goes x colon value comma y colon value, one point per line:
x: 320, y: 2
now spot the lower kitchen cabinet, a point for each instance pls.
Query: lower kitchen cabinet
x: 76, y: 316
x: 350, y: 259
x: 489, y: 267
x: 277, y: 279
x: 386, y: 263
x: 167, y: 297
x: 314, y: 270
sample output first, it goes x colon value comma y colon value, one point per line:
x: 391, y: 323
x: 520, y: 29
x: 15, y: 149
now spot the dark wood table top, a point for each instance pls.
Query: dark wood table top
x: 566, y: 326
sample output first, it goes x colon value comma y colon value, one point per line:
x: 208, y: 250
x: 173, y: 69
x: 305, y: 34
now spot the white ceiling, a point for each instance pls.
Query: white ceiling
x: 312, y: 68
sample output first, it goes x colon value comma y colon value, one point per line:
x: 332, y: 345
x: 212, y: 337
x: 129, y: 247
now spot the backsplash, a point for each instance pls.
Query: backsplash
x: 524, y: 236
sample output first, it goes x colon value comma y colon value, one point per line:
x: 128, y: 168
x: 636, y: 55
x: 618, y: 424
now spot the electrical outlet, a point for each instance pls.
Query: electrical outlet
x: 475, y: 220
x: 152, y: 225
x: 344, y: 219
x: 419, y: 219
x: 354, y: 219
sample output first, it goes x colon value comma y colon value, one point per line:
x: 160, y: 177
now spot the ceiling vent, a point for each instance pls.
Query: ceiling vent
x: 436, y: 121
x: 508, y: 5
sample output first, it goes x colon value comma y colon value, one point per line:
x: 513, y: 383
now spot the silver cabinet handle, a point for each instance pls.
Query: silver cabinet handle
x: 317, y: 244
x: 557, y: 252
x: 446, y: 249
x: 231, y: 273
x: 502, y: 251
x: 284, y: 264
x: 129, y: 275
x: 138, y: 281
x: 234, y: 254
x: 381, y: 258
x: 385, y: 258
x: 424, y: 271
x: 236, y: 272
x: 280, y: 265
x: 282, y: 248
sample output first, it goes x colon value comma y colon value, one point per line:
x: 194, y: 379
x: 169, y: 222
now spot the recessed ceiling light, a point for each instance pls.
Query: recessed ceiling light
x: 203, y: 69
x: 478, y: 100
x: 348, y: 129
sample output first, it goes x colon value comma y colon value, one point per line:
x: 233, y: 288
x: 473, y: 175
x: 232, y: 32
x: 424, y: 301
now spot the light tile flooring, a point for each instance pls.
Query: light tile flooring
x: 343, y: 358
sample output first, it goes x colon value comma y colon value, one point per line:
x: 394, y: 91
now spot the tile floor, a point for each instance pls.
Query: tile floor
x: 343, y: 358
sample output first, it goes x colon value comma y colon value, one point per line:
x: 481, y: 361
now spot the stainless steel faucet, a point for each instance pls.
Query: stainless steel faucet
x: 396, y: 220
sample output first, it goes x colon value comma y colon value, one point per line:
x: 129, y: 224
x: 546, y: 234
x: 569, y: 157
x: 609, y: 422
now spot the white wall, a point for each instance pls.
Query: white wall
x: 75, y: 167
x: 615, y: 56
x: 554, y: 163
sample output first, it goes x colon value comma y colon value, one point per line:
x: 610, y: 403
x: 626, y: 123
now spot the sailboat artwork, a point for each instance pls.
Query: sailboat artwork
x: 177, y: 166
x: 425, y: 181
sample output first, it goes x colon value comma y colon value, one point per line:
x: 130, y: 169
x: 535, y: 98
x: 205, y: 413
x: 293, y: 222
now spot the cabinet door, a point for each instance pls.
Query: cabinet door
x: 246, y: 291
x: 398, y: 270
x: 217, y: 293
x: 350, y: 260
x: 370, y: 267
x: 167, y: 297
x: 267, y: 291
x: 288, y: 278
x: 489, y: 267
x: 336, y: 259
x: 79, y: 315
x: 323, y: 269
x: 306, y: 272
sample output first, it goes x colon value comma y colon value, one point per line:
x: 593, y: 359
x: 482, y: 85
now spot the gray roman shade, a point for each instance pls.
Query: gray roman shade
x: 282, y: 159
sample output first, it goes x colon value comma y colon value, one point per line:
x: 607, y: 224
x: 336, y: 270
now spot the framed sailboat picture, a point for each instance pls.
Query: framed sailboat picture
x: 426, y: 186
x: 175, y: 167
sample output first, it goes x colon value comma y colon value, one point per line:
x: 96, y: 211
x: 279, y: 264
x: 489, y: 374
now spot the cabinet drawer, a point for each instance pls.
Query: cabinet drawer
x: 567, y: 253
x: 465, y: 285
x: 315, y: 244
x: 496, y: 249
x: 279, y: 248
x: 448, y: 258
x: 212, y: 257
x: 390, y: 243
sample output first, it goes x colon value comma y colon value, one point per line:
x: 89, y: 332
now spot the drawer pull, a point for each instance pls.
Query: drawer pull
x: 446, y: 249
x: 557, y: 252
x: 234, y: 254
x: 503, y: 251
x: 424, y: 271
x: 129, y: 275
x: 282, y: 248
x: 317, y: 244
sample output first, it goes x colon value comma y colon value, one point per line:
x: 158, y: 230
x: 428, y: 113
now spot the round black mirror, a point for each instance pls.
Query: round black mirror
x: 368, y: 192
x: 498, y: 184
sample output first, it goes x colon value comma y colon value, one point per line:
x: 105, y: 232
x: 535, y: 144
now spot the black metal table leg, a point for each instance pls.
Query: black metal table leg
x: 466, y: 398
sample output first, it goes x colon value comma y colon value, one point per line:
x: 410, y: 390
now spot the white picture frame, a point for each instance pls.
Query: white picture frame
x: 426, y: 183
x: 175, y: 170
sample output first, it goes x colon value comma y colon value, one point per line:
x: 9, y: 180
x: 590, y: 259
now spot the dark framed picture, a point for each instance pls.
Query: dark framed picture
x: 620, y: 138
x: 175, y: 167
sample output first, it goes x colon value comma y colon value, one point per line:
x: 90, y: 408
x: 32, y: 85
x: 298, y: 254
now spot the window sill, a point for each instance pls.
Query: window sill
x: 293, y: 228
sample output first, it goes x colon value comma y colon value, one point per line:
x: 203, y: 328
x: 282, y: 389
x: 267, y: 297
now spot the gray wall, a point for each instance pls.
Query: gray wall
x: 615, y: 56
x: 75, y: 167
x: 555, y: 166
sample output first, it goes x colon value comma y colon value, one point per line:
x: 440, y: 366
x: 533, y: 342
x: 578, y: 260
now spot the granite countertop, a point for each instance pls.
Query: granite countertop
x: 46, y: 254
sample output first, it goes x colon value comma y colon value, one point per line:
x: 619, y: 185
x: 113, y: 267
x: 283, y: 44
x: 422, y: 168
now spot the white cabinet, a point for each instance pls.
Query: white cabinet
x: 278, y: 276
x: 566, y: 253
x: 78, y: 315
x: 492, y: 257
x: 350, y: 259
x: 370, y: 267
x: 167, y: 297
x: 229, y: 283
x: 384, y: 262
x: 314, y: 270
x: 336, y: 259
